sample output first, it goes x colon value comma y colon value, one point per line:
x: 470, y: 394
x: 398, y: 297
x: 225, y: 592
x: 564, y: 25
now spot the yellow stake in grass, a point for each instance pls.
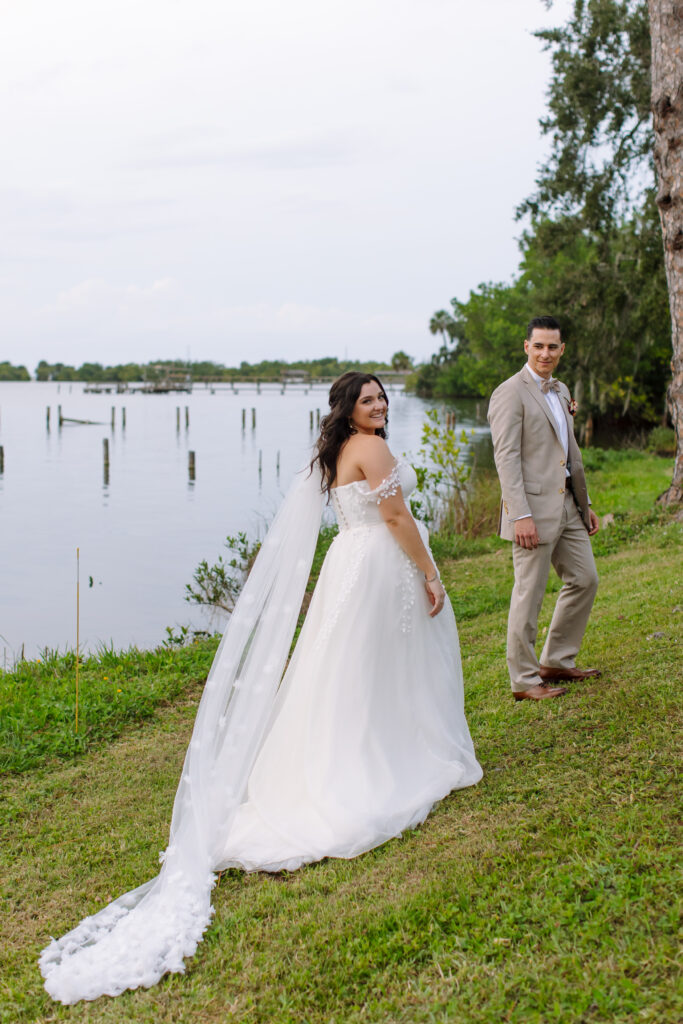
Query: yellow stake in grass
x: 78, y: 622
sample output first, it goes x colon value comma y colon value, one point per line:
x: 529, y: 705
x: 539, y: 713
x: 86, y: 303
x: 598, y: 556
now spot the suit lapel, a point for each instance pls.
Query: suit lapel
x: 533, y: 389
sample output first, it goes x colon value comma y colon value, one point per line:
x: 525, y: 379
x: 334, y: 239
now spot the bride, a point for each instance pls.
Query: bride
x: 352, y: 744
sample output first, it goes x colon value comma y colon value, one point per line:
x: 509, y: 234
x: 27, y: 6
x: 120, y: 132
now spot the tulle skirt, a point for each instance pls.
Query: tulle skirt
x: 368, y: 730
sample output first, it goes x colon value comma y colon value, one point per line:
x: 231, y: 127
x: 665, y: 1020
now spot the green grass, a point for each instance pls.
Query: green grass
x: 37, y: 700
x: 625, y: 480
x: 545, y: 894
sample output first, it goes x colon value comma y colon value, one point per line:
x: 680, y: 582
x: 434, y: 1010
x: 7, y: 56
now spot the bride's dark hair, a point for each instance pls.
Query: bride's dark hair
x: 335, y: 428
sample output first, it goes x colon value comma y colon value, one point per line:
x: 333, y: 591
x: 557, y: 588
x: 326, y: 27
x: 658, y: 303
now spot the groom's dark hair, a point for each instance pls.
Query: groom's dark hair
x: 544, y: 323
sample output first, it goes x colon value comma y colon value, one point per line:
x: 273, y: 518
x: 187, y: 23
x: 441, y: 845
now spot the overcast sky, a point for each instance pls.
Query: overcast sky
x: 247, y: 179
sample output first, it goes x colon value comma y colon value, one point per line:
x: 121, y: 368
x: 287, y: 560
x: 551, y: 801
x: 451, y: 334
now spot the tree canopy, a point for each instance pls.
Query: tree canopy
x: 591, y: 251
x: 9, y: 372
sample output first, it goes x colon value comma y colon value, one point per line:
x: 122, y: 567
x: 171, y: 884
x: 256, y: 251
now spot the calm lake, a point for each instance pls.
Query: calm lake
x: 142, y: 533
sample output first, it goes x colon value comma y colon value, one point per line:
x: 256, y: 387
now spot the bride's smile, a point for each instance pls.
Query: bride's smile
x: 370, y: 411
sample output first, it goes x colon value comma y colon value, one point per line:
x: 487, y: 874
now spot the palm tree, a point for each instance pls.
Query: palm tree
x: 443, y: 323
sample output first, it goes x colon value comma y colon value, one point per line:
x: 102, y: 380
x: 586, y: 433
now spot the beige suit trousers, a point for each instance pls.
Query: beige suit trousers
x: 571, y: 555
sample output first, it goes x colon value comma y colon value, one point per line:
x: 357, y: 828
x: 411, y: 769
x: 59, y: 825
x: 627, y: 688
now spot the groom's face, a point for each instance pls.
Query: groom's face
x: 544, y: 349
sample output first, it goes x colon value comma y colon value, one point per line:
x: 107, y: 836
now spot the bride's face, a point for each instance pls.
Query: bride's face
x: 370, y: 411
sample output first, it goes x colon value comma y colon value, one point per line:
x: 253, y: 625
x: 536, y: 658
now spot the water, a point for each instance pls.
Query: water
x: 142, y: 533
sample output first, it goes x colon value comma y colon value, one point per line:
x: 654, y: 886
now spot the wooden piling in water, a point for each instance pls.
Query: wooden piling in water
x: 105, y: 453
x: 113, y: 416
x: 317, y: 418
x: 47, y: 417
x: 310, y: 420
x: 260, y: 461
x: 60, y: 418
x: 2, y: 459
x: 191, y: 465
x: 177, y: 417
x: 123, y: 417
x: 244, y: 419
x: 253, y: 418
x: 277, y: 464
x: 187, y: 417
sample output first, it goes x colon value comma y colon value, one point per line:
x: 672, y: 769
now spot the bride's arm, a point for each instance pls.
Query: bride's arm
x: 377, y: 463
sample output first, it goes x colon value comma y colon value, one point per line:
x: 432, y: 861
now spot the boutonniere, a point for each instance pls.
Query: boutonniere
x: 572, y: 405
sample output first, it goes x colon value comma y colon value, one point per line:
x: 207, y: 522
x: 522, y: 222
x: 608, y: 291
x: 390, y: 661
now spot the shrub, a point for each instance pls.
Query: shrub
x: 662, y: 441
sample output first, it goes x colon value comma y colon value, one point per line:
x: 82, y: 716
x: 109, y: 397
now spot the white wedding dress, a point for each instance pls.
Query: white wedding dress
x: 364, y: 733
x: 369, y: 728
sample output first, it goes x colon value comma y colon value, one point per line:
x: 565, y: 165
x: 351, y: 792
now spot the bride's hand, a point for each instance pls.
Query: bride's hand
x: 436, y: 595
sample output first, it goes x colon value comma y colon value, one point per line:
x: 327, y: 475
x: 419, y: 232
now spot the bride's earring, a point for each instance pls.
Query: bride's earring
x: 351, y: 426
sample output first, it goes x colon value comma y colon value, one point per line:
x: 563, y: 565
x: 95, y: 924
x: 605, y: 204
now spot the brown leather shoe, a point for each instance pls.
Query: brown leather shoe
x: 570, y: 674
x: 540, y: 692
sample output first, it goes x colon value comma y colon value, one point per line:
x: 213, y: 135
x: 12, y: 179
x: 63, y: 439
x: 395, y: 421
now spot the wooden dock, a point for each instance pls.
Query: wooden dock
x: 392, y: 381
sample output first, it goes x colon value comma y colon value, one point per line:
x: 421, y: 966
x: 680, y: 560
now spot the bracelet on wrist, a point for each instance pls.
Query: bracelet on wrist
x: 431, y: 579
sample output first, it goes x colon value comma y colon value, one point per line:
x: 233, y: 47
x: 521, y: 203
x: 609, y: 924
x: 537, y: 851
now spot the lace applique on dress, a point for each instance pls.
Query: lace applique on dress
x: 349, y: 581
x: 390, y: 486
x: 409, y: 573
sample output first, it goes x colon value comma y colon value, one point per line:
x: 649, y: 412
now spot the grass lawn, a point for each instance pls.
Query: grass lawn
x: 545, y: 894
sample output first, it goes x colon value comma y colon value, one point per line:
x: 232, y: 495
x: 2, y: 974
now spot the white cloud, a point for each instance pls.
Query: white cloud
x: 98, y: 296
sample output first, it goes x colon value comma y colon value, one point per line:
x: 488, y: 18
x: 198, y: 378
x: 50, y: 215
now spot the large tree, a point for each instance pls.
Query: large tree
x: 594, y: 200
x: 615, y: 64
x: 598, y: 114
x: 666, y: 28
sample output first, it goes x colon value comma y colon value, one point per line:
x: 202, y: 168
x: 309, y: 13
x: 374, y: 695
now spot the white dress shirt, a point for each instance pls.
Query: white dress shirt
x: 553, y: 400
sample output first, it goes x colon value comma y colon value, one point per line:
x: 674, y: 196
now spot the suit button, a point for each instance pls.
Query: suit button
x: 561, y: 490
x: 562, y: 462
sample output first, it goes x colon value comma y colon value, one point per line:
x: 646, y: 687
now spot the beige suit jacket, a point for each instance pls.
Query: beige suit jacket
x: 530, y: 457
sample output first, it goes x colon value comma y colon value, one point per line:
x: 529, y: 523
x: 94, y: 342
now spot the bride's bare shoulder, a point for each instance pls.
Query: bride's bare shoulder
x: 366, y: 443
x: 372, y: 455
x: 363, y: 456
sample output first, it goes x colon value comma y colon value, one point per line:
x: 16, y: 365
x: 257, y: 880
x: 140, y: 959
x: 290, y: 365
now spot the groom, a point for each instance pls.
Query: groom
x: 546, y: 513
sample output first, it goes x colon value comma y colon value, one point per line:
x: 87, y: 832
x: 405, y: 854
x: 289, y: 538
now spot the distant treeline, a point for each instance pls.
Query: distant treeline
x: 203, y: 370
x: 9, y: 372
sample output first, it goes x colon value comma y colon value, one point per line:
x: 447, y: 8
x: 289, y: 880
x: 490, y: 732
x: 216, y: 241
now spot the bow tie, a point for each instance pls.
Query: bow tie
x: 550, y: 385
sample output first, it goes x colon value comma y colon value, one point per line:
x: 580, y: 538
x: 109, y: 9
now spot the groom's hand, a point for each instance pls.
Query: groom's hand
x: 594, y: 522
x: 526, y: 534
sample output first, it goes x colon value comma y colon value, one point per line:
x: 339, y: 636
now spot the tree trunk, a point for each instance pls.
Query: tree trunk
x: 666, y: 29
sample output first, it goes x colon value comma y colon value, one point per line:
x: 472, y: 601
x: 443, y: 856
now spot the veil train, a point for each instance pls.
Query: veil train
x: 149, y: 931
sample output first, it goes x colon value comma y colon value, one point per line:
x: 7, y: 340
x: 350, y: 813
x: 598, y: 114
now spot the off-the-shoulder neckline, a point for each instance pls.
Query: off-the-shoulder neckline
x: 354, y: 483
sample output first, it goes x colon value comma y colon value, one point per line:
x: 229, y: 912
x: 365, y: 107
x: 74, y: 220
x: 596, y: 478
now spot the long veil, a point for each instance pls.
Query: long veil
x: 147, y: 932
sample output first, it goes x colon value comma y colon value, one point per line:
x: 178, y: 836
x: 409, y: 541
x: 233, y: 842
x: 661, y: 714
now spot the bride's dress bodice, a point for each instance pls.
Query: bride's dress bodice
x: 356, y: 504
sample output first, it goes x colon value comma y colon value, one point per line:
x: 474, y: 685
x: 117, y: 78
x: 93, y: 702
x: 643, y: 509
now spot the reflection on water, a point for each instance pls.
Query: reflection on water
x: 145, y: 498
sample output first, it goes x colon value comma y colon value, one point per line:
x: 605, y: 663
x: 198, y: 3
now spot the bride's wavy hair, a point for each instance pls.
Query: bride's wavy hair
x: 335, y: 428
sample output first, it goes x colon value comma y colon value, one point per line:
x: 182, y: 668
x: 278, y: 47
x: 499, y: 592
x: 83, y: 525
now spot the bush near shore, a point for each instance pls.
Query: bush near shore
x: 545, y: 894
